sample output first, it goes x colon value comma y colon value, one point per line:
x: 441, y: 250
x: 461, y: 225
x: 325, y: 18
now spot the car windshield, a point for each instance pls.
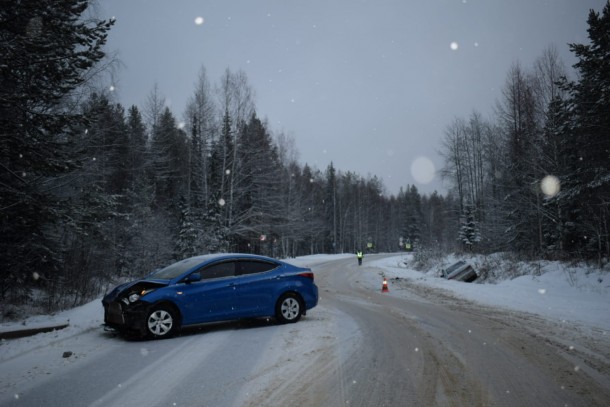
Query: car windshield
x: 174, y: 270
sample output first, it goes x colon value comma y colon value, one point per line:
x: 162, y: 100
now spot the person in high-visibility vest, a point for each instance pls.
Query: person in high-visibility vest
x: 359, y: 254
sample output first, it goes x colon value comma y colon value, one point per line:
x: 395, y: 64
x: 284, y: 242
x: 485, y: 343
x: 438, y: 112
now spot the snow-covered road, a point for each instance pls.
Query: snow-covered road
x: 419, y: 344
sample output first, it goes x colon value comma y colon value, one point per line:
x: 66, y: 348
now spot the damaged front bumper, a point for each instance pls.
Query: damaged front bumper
x: 122, y: 317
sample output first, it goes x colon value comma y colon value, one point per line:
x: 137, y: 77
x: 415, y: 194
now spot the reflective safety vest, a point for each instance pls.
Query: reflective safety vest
x: 359, y: 254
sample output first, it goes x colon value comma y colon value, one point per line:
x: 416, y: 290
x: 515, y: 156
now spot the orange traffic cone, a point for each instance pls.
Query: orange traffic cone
x: 384, y: 287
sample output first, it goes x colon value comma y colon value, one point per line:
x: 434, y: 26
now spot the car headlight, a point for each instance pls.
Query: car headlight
x: 136, y: 296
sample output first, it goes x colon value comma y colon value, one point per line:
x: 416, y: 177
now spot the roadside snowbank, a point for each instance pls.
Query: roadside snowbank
x: 559, y: 293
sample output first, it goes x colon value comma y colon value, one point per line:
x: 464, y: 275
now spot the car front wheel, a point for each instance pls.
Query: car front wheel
x: 289, y: 308
x: 161, y: 322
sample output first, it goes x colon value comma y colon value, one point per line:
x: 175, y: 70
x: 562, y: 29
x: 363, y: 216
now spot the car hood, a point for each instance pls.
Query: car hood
x: 135, y: 285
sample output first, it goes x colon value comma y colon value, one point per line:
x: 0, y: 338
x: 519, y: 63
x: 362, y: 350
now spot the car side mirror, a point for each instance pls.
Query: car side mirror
x: 192, y: 278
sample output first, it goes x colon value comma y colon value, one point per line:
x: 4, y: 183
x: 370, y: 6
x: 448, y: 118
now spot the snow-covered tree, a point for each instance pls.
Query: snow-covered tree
x: 187, y: 243
x: 48, y: 51
x: 469, y: 234
x: 587, y: 182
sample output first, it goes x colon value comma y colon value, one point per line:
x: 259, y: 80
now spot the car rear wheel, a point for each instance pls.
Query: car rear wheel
x: 289, y: 308
x: 161, y: 322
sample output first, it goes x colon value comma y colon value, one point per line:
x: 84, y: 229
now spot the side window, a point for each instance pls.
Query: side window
x: 218, y: 270
x: 254, y: 266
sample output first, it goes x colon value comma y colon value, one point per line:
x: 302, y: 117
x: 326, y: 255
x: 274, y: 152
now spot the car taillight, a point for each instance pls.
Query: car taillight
x: 308, y: 274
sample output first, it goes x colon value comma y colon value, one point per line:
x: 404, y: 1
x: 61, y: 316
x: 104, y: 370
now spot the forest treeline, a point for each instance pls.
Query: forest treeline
x: 91, y: 191
x: 535, y: 178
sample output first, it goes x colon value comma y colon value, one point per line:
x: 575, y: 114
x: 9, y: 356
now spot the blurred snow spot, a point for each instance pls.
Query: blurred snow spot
x: 422, y: 169
x: 476, y: 44
x: 35, y: 275
x: 550, y: 186
x: 144, y: 352
x: 221, y: 202
x: 181, y: 125
x: 576, y: 368
x: 199, y: 20
x: 542, y: 291
x: 416, y: 349
x: 454, y: 46
x: 111, y: 88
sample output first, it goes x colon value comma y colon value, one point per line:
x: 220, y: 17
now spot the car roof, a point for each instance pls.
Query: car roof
x: 221, y: 256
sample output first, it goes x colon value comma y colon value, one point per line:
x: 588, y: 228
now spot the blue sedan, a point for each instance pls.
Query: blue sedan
x: 211, y: 288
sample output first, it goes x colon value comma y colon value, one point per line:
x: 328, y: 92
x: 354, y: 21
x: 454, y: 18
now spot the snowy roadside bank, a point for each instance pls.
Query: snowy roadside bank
x: 558, y: 293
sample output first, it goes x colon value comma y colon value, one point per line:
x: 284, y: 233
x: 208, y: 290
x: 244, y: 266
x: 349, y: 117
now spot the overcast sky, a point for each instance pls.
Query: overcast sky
x: 369, y: 85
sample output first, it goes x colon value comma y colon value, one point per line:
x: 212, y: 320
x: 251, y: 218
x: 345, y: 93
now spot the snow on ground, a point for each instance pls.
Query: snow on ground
x: 554, y: 290
x: 560, y: 293
x: 577, y: 295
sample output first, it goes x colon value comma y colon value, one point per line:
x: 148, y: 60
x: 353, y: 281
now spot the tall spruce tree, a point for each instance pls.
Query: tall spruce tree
x: 46, y: 49
x: 469, y: 234
x: 587, y: 186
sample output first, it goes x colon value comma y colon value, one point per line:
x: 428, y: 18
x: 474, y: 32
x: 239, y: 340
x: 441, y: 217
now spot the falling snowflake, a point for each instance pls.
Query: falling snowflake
x: 199, y: 20
x: 454, y: 46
